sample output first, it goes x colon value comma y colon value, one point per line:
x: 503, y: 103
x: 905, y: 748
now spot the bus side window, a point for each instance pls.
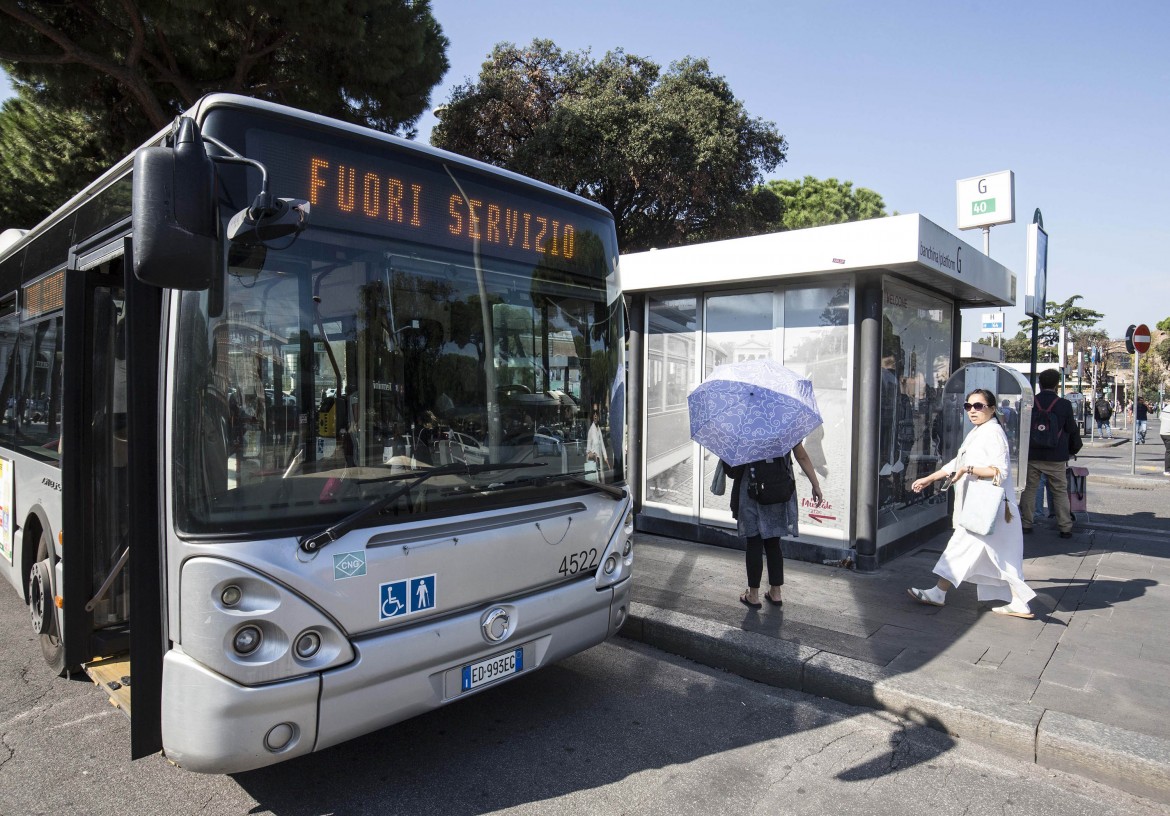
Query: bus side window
x: 9, y: 327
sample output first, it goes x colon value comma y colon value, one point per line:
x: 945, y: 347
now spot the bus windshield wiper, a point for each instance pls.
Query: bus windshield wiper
x: 613, y: 491
x: 313, y: 543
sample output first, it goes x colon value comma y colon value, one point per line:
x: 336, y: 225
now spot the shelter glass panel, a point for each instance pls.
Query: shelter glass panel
x: 916, y: 362
x: 817, y: 345
x: 670, y: 366
x: 737, y: 327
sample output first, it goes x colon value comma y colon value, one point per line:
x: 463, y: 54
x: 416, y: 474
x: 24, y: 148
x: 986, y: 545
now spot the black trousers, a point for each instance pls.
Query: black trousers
x: 757, y: 548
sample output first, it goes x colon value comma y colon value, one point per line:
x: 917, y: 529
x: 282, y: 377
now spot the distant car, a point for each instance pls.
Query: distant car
x: 547, y: 445
x: 465, y: 448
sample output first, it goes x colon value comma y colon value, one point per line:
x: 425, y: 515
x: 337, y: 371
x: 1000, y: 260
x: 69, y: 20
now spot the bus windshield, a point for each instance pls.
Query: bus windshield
x: 323, y: 371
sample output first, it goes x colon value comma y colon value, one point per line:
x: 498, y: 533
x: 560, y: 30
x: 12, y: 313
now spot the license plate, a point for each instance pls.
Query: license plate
x: 492, y: 668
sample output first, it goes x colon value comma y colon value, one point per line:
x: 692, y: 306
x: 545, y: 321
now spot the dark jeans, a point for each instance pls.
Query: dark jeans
x: 756, y: 549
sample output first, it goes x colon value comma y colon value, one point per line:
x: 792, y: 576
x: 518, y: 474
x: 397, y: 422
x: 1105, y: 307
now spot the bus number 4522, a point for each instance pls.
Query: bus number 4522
x: 576, y: 562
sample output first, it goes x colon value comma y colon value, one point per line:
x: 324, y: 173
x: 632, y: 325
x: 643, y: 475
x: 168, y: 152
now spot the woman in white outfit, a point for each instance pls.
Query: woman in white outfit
x: 595, y: 448
x: 994, y: 562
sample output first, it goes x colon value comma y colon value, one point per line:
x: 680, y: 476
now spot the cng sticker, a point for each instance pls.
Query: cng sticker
x: 349, y: 565
x: 399, y: 598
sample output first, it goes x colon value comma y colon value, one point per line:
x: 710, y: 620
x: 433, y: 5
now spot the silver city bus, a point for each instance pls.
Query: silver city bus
x: 294, y: 442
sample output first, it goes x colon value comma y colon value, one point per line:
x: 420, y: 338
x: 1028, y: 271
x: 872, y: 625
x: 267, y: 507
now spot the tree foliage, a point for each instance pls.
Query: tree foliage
x: 1017, y: 349
x: 36, y: 143
x: 673, y: 155
x: 1076, y: 319
x: 1079, y: 321
x: 815, y: 202
x: 368, y: 61
x: 1161, y: 349
x: 124, y: 68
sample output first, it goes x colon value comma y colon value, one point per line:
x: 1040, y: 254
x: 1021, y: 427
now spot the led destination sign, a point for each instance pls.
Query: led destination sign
x: 412, y: 197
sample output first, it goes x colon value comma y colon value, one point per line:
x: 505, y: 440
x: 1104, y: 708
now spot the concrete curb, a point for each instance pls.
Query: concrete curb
x: 1133, y: 762
x: 1150, y: 482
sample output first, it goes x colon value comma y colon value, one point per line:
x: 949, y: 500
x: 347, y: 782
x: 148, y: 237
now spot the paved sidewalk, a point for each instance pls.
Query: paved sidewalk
x: 1084, y: 688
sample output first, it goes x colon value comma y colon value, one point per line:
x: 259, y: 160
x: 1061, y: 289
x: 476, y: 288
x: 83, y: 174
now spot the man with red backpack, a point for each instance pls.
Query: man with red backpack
x: 1055, y: 436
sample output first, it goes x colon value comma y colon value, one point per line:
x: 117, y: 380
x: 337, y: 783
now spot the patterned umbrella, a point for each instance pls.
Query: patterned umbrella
x: 757, y: 409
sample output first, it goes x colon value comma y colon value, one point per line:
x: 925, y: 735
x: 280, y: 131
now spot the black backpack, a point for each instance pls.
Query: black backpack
x: 1045, y: 433
x: 770, y: 481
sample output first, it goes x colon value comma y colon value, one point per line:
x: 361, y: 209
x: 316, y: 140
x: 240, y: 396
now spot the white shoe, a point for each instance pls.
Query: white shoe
x: 1015, y: 609
x: 924, y: 596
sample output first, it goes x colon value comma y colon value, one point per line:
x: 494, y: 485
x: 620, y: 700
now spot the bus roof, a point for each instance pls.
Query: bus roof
x: 222, y: 100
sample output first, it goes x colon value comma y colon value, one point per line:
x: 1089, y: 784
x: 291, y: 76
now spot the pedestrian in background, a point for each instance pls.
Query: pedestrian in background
x: 761, y: 526
x: 1052, y: 462
x: 1141, y: 417
x: 595, y: 451
x: 993, y: 562
x: 1164, y: 432
x: 1102, y: 411
x: 1044, y: 491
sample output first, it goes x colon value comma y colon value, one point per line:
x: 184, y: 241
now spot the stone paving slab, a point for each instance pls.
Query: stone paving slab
x: 1035, y: 689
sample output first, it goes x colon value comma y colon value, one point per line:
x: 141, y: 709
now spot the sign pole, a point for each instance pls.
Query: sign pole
x: 1137, y: 355
x: 1093, y: 400
x: 1139, y: 339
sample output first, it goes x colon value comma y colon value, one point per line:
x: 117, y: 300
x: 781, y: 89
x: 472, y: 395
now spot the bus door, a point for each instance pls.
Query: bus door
x: 120, y: 583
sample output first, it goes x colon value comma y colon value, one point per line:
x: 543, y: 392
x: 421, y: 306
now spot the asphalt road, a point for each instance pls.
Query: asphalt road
x: 620, y: 729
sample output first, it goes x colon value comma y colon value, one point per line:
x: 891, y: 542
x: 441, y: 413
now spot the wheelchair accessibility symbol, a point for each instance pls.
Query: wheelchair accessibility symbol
x: 394, y: 600
x: 406, y: 597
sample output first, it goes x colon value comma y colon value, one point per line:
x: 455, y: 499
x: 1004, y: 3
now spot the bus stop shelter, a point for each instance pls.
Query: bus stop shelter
x: 869, y: 311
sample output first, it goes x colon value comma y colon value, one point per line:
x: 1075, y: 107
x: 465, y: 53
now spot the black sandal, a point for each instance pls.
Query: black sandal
x: 743, y: 599
x: 773, y: 601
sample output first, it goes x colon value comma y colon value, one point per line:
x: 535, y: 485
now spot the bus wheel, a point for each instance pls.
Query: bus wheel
x: 42, y: 611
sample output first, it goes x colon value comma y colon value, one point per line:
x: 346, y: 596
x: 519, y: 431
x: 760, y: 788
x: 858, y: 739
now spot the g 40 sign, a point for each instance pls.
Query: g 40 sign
x: 983, y: 201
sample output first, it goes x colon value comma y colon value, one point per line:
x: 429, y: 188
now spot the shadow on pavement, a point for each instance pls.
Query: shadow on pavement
x: 905, y: 751
x: 567, y: 728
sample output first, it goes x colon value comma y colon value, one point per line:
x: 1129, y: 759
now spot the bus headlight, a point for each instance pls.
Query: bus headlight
x: 247, y: 640
x: 307, y: 644
x: 250, y: 628
x: 617, y: 560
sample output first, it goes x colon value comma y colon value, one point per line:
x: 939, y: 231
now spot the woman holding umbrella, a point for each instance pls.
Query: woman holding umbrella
x: 760, y: 525
x: 754, y: 415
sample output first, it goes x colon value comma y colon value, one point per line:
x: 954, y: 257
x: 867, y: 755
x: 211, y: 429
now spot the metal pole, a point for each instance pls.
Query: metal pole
x: 987, y: 241
x: 1137, y: 355
x: 1093, y: 400
x: 1035, y: 332
x: 1124, y: 402
x: 1063, y: 354
x: 869, y: 328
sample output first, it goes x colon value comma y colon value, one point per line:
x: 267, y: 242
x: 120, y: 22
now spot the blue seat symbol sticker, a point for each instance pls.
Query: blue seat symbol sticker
x: 422, y: 593
x: 394, y: 600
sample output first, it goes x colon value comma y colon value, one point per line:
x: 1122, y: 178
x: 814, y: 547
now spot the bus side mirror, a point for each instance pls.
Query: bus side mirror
x: 176, y: 226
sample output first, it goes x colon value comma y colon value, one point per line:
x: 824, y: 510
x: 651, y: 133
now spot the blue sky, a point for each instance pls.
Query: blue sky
x: 907, y: 97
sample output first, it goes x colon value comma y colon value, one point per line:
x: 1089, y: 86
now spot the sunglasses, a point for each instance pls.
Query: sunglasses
x: 978, y: 406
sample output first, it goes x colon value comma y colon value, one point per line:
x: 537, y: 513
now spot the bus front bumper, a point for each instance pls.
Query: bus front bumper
x: 212, y: 724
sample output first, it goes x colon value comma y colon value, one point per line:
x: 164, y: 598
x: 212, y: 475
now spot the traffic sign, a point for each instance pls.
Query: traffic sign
x: 993, y: 322
x: 983, y: 201
x: 1141, y: 338
x: 1129, y: 338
